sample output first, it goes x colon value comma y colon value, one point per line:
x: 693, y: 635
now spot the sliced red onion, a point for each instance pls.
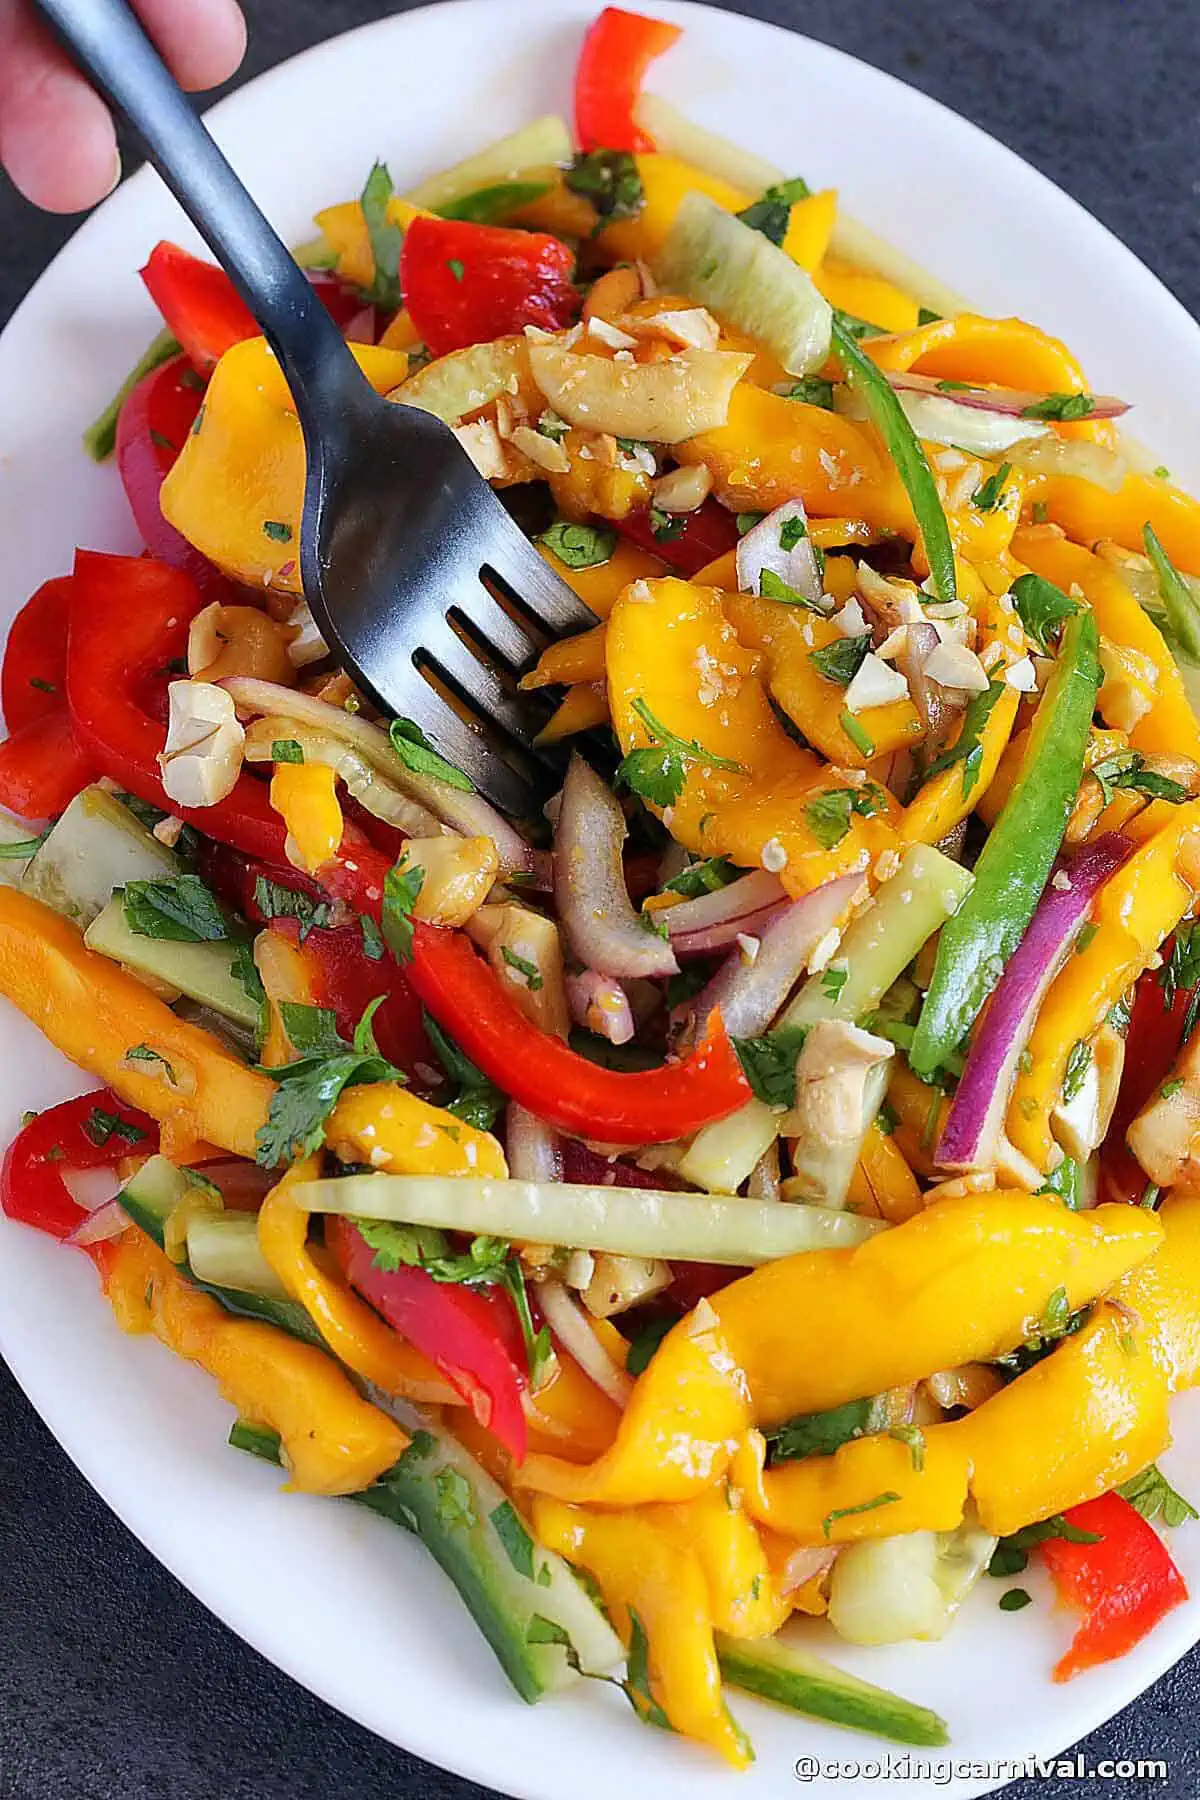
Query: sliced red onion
x: 920, y: 642
x: 464, y: 811
x: 749, y: 894
x: 594, y: 907
x: 587, y: 1168
x: 750, y: 993
x: 719, y: 937
x: 535, y: 1151
x: 108, y: 1221
x: 571, y: 1327
x: 600, y: 1004
x: 973, y: 1124
x: 1013, y: 402
x: 360, y: 327
x: 762, y: 548
x: 806, y: 1562
x: 91, y: 1188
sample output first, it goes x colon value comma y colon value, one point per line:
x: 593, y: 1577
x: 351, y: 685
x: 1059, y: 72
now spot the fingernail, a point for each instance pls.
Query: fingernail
x: 116, y: 174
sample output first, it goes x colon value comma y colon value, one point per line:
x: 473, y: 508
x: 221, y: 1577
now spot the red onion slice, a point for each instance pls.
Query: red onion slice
x: 600, y: 1004
x: 108, y: 1221
x: 719, y: 937
x: 535, y: 1151
x: 920, y: 642
x: 749, y: 894
x: 571, y: 1327
x: 594, y: 907
x: 763, y: 548
x: 587, y: 1168
x: 1012, y: 402
x: 750, y: 994
x: 976, y: 1115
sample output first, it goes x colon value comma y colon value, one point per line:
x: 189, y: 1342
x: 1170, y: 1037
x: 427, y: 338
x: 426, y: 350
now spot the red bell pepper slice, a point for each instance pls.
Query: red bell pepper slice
x: 199, y: 303
x: 42, y: 767
x: 1123, y: 1585
x: 33, y: 682
x: 129, y: 620
x: 207, y: 314
x: 152, y: 428
x: 704, y: 535
x: 1153, y: 1041
x: 470, y: 1334
x: 349, y: 979
x: 92, y: 1132
x: 617, y: 51
x: 466, y: 284
x: 652, y: 1106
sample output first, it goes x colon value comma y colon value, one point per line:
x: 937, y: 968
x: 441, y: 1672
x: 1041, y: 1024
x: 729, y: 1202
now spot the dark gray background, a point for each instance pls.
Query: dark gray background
x: 113, y: 1681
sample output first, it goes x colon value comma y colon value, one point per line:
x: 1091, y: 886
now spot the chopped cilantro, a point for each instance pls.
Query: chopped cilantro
x: 518, y: 1545
x: 862, y: 740
x: 455, y: 1505
x: 813, y: 390
x: 385, y: 239
x: 310, y: 1087
x: 276, y: 902
x: 841, y: 660
x: 100, y: 1126
x: 1151, y: 1494
x: 773, y: 587
x: 1181, y: 970
x: 177, y: 907
x: 1063, y: 407
x: 277, y: 530
x: 287, y: 750
x: 523, y: 966
x: 746, y: 521
x: 644, y: 1342
x: 703, y: 877
x: 657, y: 772
x: 1078, y: 1064
x: 665, y: 527
x: 967, y: 748
x: 610, y: 180
x: 833, y: 981
x: 821, y: 1433
x: 1127, y: 769
x: 828, y: 813
x: 769, y: 1063
x: 772, y: 213
x: 986, y: 497
x: 418, y: 754
x: 1015, y: 1599
x: 143, y: 1053
x: 850, y: 1512
x: 1042, y: 608
x: 401, y: 888
x: 456, y: 267
x: 791, y: 532
x: 579, y: 546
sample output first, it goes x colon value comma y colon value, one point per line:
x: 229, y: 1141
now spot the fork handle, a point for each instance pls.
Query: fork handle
x: 108, y: 43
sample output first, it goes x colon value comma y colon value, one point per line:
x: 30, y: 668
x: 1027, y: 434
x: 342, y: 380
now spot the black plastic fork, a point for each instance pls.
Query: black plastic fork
x: 399, y: 532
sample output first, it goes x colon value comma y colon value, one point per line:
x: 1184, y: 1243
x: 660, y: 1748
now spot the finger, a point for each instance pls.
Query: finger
x: 204, y: 42
x: 56, y: 138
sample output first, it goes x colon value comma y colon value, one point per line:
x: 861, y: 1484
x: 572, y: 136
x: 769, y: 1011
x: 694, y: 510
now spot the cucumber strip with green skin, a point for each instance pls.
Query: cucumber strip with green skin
x: 804, y: 1683
x: 908, y: 908
x: 904, y: 448
x: 223, y: 1252
x: 1015, y: 862
x: 100, y: 438
x: 525, y: 1600
x: 151, y: 1197
x: 95, y: 847
x: 619, y: 1221
x: 538, y: 145
x: 489, y: 205
x: 1179, y: 603
x: 204, y: 972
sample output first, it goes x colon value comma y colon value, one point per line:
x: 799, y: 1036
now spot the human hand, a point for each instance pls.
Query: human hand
x: 57, y: 140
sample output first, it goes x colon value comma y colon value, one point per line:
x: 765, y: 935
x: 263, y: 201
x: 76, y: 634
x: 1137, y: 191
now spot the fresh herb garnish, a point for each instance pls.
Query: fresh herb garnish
x: 833, y: 980
x: 904, y: 448
x: 487, y: 205
x: 658, y: 771
x: 478, y: 1102
x: 862, y: 740
x: 1151, y: 1494
x: 821, y: 1433
x: 1127, y: 769
x: 418, y: 754
x: 850, y: 1512
x: 927, y: 316
x: 385, y: 238
x: 1015, y: 1600
x: 772, y: 213
x: 637, y: 1677
x: 644, y: 1342
x: 276, y: 902
x: 855, y: 328
x: 610, y: 180
x: 828, y: 813
x: 372, y: 939
x: 841, y: 660
x: 986, y: 497
x: 1078, y: 1064
x: 746, y: 521
x: 277, y: 530
x: 703, y: 877
x: 914, y: 1438
x: 967, y: 748
x: 1181, y: 970
x: 579, y: 546
x: 287, y: 750
x: 401, y: 888
x: 143, y: 1053
x: 523, y: 966
x: 791, y: 532
x: 813, y: 390
x: 100, y: 1126
x: 518, y: 1545
x: 310, y: 1087
x: 1043, y: 609
x: 23, y: 849
x: 1064, y: 407
x: 665, y: 527
x: 178, y: 908
x: 769, y: 1063
x: 773, y: 587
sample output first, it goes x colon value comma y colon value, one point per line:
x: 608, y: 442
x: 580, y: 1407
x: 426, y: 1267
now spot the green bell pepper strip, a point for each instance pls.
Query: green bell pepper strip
x: 1179, y: 603
x: 1016, y: 860
x: 904, y: 447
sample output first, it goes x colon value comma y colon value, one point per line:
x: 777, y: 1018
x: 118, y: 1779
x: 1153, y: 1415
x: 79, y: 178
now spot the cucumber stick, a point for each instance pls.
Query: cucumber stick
x: 716, y: 258
x: 619, y: 1221
x: 536, y: 146
x: 926, y: 890
x: 150, y: 1198
x: 223, y: 1252
x: 95, y: 847
x: 777, y: 1670
x: 204, y: 972
x: 528, y: 1602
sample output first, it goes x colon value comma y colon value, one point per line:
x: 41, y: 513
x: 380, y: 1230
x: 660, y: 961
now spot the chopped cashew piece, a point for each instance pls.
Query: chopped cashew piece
x: 693, y: 327
x: 483, y: 445
x: 840, y: 1080
x: 682, y: 490
x: 543, y: 451
x: 875, y: 684
x: 458, y: 875
x: 850, y: 619
x: 202, y: 757
x: 954, y: 666
x: 1165, y: 1136
x: 308, y: 646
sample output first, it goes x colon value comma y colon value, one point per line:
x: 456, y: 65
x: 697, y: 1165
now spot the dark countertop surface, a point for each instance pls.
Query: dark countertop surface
x: 114, y: 1683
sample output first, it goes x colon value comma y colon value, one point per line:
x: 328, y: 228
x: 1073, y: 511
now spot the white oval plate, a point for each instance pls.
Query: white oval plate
x: 343, y: 1602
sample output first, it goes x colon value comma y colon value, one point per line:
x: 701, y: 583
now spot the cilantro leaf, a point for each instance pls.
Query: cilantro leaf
x: 644, y: 1342
x: 769, y: 1063
x: 812, y: 390
x: 287, y: 750
x: 1127, y: 769
x: 703, y: 877
x: 658, y: 771
x: 479, y: 1102
x: 579, y: 546
x: 637, y: 1677
x: 401, y: 889
x: 986, y: 497
x: 310, y: 1087
x: 312, y: 1030
x: 841, y: 660
x: 24, y: 848
x: 1181, y: 970
x: 177, y: 907
x: 1078, y: 1064
x: 1063, y: 407
x: 277, y: 530
x: 426, y: 1247
x: 418, y: 754
x: 610, y: 180
x: 455, y: 1506
x: 828, y: 813
x: 276, y: 902
x: 385, y: 238
x: 488, y: 205
x: 518, y: 1545
x: 523, y: 966
x: 665, y: 527
x: 850, y: 1512
x: 1152, y: 1495
x: 773, y: 587
x: 820, y: 1433
x: 967, y: 748
x: 772, y: 213
x: 100, y: 1126
x: 1042, y: 608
